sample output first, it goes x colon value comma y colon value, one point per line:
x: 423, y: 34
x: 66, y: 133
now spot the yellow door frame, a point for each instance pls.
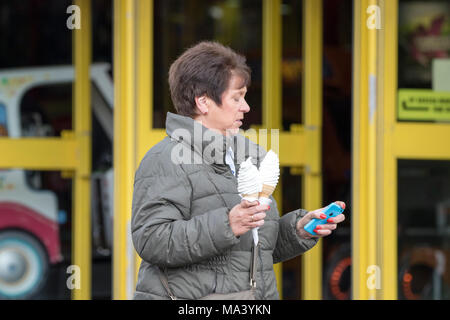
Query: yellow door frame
x: 365, y: 121
x: 82, y: 233
x: 377, y: 146
x: 71, y: 152
x: 125, y: 137
x: 387, y: 218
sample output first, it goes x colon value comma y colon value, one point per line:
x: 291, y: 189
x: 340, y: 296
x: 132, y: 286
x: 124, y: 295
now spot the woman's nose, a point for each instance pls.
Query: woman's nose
x: 245, y: 107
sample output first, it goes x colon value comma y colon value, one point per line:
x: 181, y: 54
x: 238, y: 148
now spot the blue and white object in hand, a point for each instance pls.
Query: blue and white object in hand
x: 330, y: 211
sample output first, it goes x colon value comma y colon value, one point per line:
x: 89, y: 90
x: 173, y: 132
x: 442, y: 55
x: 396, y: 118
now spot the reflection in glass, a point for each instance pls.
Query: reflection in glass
x: 424, y: 35
x: 292, y: 189
x: 3, y: 121
x: 35, y: 232
x: 292, y: 64
x: 180, y: 24
x: 36, y: 57
x: 336, y: 144
x: 46, y: 110
x: 34, y: 33
x: 424, y: 229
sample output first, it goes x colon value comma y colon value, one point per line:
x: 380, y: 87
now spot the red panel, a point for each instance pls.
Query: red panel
x: 17, y: 216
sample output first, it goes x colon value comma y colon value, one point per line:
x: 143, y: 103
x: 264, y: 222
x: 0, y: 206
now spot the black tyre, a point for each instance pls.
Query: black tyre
x: 337, y: 284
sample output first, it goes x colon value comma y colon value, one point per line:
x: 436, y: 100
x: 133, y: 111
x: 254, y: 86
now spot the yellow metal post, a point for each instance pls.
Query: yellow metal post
x: 387, y: 235
x: 144, y: 71
x: 367, y: 150
x: 371, y: 123
x: 359, y: 220
x: 144, y: 86
x: 81, y: 233
x: 312, y: 106
x: 124, y: 258
x: 271, y: 102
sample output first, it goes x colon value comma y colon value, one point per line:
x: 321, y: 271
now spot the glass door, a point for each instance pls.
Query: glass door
x: 423, y: 178
x: 401, y: 151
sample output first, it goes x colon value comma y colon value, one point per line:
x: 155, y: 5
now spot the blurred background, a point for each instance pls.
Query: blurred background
x: 37, y: 100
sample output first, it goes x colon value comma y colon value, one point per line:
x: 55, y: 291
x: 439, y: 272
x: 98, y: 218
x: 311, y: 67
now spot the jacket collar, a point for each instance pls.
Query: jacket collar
x: 210, y: 145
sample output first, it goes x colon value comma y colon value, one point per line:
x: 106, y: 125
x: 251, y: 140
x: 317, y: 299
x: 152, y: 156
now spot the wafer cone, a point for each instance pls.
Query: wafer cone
x: 253, y: 195
x: 266, y: 191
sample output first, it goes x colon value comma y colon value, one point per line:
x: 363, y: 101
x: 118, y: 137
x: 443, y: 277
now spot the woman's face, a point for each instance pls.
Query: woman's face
x: 228, y: 117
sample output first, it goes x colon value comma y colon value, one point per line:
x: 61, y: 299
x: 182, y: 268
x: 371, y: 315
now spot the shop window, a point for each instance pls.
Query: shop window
x: 424, y: 230
x: 336, y: 144
x: 292, y: 64
x: 424, y: 61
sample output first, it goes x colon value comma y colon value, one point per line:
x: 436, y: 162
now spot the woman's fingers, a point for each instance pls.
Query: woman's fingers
x: 256, y: 224
x: 260, y: 208
x: 249, y: 204
x: 317, y: 214
x: 338, y: 219
x: 322, y: 232
x: 254, y: 206
x: 327, y: 226
x: 256, y: 218
x: 341, y: 204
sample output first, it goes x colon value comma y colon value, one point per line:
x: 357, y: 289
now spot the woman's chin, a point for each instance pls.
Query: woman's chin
x: 232, y: 131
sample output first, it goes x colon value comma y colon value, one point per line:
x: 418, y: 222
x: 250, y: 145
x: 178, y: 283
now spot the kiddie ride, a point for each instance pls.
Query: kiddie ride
x: 30, y: 217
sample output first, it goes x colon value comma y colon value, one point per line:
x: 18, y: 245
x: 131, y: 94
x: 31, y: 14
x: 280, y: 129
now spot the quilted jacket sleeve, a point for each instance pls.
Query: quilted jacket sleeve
x: 289, y: 244
x: 163, y: 232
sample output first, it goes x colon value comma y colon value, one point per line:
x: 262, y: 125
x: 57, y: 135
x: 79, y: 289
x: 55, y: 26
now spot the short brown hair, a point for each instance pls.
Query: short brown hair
x: 205, y: 68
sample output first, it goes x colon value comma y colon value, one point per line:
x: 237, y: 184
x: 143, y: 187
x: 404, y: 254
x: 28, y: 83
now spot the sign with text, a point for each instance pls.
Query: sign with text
x: 423, y: 105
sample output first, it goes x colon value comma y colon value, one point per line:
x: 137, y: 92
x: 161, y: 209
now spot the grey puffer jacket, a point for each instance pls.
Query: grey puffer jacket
x: 183, y: 193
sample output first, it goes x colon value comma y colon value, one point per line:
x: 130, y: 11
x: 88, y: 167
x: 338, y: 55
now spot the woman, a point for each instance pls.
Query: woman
x: 189, y: 225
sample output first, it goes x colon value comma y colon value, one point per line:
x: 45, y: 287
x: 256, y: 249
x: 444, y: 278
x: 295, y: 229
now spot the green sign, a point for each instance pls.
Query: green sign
x: 423, y: 105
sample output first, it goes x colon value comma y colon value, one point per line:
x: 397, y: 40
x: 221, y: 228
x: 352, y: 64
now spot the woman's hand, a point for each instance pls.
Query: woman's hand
x: 247, y: 215
x: 321, y: 230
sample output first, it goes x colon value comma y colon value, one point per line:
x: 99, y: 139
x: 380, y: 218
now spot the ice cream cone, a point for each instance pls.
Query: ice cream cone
x: 266, y: 191
x: 253, y: 195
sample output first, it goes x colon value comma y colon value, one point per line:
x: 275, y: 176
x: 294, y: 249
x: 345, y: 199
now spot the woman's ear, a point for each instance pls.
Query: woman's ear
x: 202, y: 104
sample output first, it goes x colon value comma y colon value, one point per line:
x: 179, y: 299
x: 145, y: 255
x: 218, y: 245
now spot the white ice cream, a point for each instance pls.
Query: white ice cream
x: 249, y: 180
x: 270, y: 169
